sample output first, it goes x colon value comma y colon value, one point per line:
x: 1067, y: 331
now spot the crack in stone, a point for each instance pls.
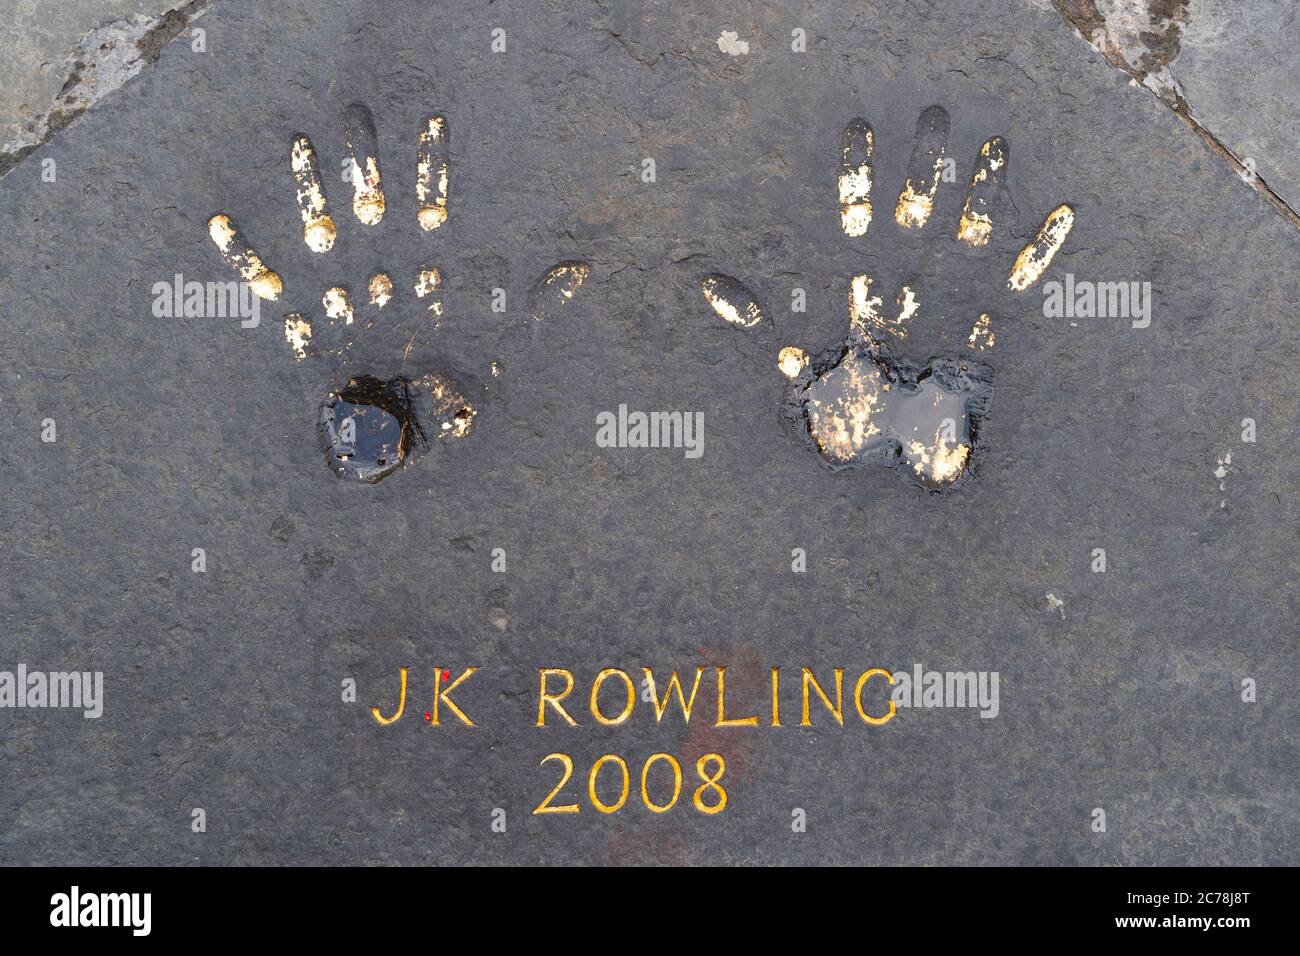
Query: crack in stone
x: 1142, y: 37
x: 105, y: 60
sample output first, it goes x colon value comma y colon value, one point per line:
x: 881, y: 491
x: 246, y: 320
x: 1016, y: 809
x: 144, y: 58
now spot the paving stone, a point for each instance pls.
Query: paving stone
x: 1118, y: 690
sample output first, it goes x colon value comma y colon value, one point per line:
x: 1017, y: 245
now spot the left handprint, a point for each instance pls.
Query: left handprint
x: 371, y: 425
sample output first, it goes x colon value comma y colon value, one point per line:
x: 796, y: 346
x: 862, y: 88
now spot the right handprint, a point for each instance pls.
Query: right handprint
x: 856, y: 402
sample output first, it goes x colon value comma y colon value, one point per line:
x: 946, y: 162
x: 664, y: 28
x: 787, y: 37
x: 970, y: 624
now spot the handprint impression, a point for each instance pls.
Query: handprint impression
x: 857, y: 403
x: 371, y: 426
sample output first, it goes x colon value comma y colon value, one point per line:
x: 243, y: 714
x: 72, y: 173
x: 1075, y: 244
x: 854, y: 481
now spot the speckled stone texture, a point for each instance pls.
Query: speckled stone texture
x: 44, y: 49
x: 223, y: 688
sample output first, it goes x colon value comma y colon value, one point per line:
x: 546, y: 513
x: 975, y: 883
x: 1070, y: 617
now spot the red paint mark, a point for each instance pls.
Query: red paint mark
x: 446, y: 674
x: 428, y: 716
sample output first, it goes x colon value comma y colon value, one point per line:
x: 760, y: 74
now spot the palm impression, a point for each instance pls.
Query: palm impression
x: 373, y: 425
x: 858, y: 403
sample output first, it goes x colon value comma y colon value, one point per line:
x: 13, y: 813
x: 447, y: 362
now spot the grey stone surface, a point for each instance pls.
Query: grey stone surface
x: 59, y: 60
x: 223, y: 688
x: 1239, y: 72
x: 1228, y: 68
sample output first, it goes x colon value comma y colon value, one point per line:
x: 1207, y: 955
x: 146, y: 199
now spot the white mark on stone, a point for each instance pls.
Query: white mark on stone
x: 731, y: 44
x: 1056, y: 602
x: 1223, y: 468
